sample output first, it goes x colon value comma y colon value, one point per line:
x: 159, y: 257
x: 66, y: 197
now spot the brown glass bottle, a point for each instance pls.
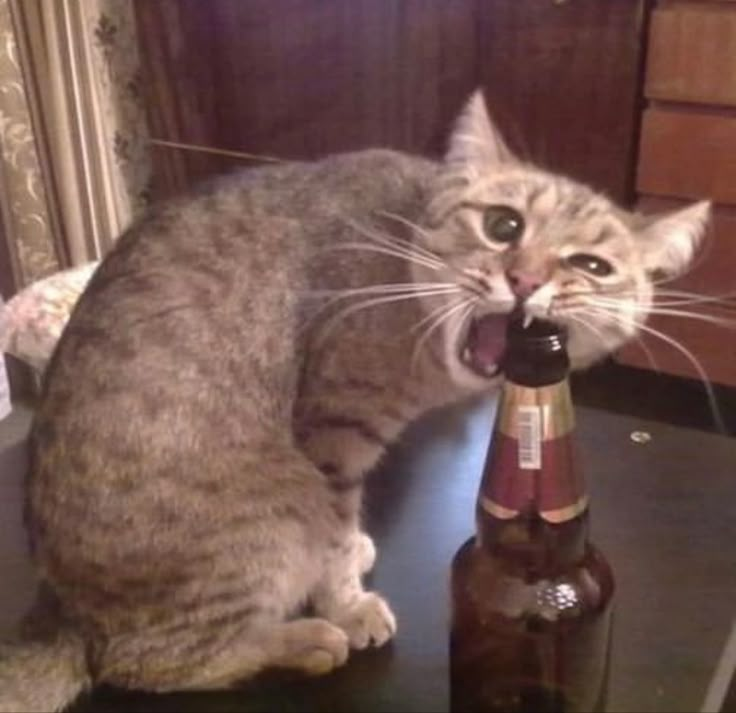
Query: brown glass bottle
x: 531, y: 596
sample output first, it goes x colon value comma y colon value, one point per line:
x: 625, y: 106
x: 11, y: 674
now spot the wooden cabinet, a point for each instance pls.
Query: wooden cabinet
x: 563, y: 80
x: 692, y: 53
x: 688, y: 151
x: 302, y: 78
x: 688, y: 154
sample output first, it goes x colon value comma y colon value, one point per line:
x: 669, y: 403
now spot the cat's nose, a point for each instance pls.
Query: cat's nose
x: 522, y: 283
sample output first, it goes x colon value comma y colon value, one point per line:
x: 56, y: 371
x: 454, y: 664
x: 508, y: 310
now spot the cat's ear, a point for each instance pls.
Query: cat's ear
x: 669, y: 241
x: 475, y: 139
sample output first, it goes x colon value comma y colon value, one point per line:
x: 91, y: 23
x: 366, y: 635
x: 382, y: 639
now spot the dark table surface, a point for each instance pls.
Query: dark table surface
x: 663, y: 511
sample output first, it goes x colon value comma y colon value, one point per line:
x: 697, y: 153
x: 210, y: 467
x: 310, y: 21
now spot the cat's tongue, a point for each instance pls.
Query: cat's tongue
x: 486, y: 344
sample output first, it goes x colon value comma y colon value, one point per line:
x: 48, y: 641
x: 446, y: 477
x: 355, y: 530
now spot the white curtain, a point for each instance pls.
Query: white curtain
x: 83, y: 138
x: 25, y: 202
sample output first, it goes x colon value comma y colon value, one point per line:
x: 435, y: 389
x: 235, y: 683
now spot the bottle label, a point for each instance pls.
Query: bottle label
x: 530, y: 437
x: 533, y: 464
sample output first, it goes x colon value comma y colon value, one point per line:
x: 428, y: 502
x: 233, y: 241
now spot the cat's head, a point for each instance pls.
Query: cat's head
x: 519, y: 238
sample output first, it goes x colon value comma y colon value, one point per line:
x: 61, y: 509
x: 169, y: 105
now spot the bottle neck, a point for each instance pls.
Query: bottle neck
x: 532, y: 504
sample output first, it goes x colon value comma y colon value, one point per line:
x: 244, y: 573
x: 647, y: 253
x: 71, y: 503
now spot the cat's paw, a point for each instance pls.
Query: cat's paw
x: 368, y: 621
x: 365, y: 553
x: 315, y: 647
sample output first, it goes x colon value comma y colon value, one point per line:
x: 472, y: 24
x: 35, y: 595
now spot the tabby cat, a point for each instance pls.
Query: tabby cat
x: 244, y: 356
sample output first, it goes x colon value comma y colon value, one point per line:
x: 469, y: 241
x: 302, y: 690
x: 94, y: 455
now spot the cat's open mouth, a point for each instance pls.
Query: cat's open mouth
x: 484, y: 345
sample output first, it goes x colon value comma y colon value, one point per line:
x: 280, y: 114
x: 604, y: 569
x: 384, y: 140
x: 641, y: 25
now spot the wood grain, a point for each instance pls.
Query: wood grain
x: 688, y: 155
x: 712, y: 274
x: 567, y: 78
x: 692, y: 54
x: 302, y: 78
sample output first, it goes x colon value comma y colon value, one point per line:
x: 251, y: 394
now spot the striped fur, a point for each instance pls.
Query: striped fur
x: 216, y: 400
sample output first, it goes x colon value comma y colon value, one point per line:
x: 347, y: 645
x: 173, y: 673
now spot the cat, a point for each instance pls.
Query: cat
x: 244, y: 356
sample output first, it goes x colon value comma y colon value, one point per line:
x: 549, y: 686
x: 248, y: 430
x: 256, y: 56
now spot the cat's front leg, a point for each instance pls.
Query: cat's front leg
x: 365, y: 552
x: 364, y: 616
x: 345, y: 442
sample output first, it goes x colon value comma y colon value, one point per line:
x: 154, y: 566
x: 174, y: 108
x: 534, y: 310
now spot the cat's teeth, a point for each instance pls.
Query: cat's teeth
x: 527, y: 321
x: 489, y: 369
x: 467, y: 356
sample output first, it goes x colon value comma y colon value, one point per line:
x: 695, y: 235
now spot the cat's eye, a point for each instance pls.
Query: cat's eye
x: 590, y: 263
x: 502, y: 223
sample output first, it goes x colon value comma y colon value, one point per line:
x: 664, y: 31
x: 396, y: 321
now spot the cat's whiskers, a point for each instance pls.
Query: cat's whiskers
x: 687, y: 294
x: 607, y: 344
x: 480, y: 281
x: 478, y: 285
x: 647, y: 352
x: 396, y: 243
x: 692, y: 359
x: 656, y: 309
x: 601, y: 290
x: 479, y: 289
x: 667, y: 298
x: 674, y: 298
x: 394, y: 252
x: 563, y: 303
x: 387, y: 288
x: 400, y: 247
x: 399, y: 288
x: 566, y: 303
x: 598, y: 333
x: 343, y: 314
x: 384, y: 293
x: 467, y: 306
x: 415, y: 228
x: 433, y: 313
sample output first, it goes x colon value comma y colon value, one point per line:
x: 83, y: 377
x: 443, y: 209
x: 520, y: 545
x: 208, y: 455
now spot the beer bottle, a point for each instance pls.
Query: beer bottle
x: 531, y: 596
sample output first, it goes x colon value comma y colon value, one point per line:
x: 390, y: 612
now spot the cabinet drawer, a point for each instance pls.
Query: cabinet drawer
x: 688, y: 155
x: 692, y: 54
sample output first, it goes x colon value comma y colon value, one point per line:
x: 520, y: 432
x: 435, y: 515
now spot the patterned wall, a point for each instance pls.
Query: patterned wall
x: 74, y: 155
x: 23, y: 195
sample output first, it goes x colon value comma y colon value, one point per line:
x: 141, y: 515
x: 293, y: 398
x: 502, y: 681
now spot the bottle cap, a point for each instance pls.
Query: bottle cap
x: 535, y: 353
x: 539, y: 333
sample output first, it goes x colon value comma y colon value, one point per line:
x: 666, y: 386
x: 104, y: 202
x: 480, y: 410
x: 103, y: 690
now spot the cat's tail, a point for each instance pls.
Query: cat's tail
x: 43, y: 675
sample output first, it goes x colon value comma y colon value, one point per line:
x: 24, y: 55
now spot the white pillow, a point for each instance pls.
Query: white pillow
x: 33, y: 320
